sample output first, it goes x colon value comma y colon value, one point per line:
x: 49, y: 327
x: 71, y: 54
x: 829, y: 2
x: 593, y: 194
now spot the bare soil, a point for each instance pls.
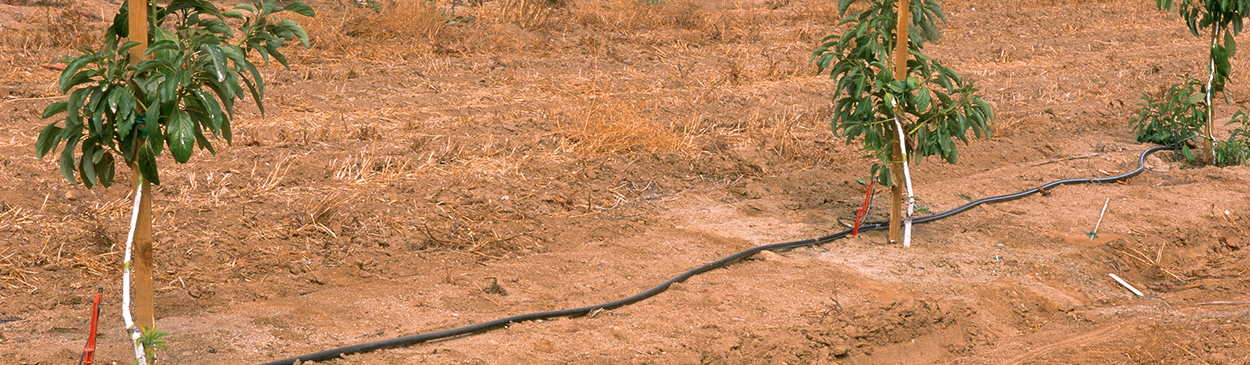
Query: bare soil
x: 514, y: 164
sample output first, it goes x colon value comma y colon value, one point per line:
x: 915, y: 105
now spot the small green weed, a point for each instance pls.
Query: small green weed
x: 152, y: 339
x: 1178, y: 114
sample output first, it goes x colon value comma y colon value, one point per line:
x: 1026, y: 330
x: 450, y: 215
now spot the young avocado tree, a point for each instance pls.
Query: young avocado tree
x: 903, y: 107
x: 1187, y: 109
x: 128, y: 104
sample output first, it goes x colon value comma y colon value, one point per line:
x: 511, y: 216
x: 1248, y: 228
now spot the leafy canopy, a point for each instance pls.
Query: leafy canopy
x: 1224, y: 17
x: 935, y: 104
x: 186, y: 86
x: 1185, y: 108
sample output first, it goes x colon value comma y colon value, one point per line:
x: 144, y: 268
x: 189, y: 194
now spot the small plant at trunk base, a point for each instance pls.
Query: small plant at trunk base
x: 128, y: 102
x: 879, y: 99
x: 152, y: 340
x: 1236, y: 149
x: 1175, y: 117
x: 1178, y: 117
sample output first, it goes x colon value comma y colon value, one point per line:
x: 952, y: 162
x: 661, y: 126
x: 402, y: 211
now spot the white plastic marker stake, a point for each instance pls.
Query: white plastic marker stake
x: 140, y: 356
x: 1125, y: 284
x: 1094, y: 233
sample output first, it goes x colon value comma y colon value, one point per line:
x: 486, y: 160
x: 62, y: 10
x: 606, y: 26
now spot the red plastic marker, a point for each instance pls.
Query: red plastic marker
x: 88, y: 353
x: 863, y: 210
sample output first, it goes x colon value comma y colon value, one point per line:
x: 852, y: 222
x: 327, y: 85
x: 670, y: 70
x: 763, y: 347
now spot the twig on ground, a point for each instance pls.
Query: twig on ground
x: 1224, y: 303
x: 30, y: 99
x: 1054, y: 160
x: 1141, y: 256
x: 1192, y: 354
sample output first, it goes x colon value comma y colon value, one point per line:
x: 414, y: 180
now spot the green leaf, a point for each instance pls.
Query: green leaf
x: 75, y: 107
x: 105, y: 169
x: 127, y: 46
x: 55, y: 108
x: 923, y: 100
x: 226, y: 133
x: 843, y: 5
x: 163, y: 45
x: 49, y: 138
x: 155, y: 137
x: 67, y: 160
x: 217, y: 27
x: 272, y: 49
x: 114, y: 98
x: 168, y: 54
x: 203, y: 140
x: 211, y: 108
x: 297, y: 30
x: 247, y: 7
x: 181, y: 136
x: 258, y: 91
x: 1196, y: 99
x: 125, y: 111
x: 86, y: 169
x: 169, y: 87
x: 219, y: 61
x: 71, y: 71
x: 1222, y: 66
x: 1230, y: 44
x: 146, y: 160
x: 300, y: 8
x: 82, y: 77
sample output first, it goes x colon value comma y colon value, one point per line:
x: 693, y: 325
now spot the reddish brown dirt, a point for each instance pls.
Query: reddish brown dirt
x: 500, y: 168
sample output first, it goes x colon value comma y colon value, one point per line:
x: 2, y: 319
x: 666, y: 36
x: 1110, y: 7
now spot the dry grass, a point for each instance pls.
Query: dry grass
x: 616, y: 127
x: 421, y: 30
x: 79, y: 240
x: 54, y: 27
x: 367, y: 168
x: 398, y: 28
x: 530, y: 15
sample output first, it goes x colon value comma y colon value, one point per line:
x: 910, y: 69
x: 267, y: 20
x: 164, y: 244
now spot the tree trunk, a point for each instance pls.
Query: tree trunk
x: 1208, y: 143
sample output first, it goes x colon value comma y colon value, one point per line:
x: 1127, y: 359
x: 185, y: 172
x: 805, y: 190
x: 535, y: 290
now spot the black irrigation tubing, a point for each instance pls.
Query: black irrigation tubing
x: 484, y: 326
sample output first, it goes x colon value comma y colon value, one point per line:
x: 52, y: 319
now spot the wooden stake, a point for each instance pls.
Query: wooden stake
x: 144, y: 288
x: 138, y: 28
x: 145, y: 308
x: 896, y: 166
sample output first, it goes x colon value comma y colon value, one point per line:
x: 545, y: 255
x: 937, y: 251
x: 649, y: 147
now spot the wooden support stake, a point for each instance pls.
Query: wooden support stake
x: 144, y: 289
x: 145, y: 308
x: 896, y: 165
x: 138, y: 28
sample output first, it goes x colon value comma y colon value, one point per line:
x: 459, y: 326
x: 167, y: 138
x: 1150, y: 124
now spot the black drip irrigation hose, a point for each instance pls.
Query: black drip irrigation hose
x: 575, y: 312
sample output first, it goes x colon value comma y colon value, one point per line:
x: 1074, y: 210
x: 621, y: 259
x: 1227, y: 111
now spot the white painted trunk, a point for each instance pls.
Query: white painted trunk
x: 140, y: 357
x: 911, y: 197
